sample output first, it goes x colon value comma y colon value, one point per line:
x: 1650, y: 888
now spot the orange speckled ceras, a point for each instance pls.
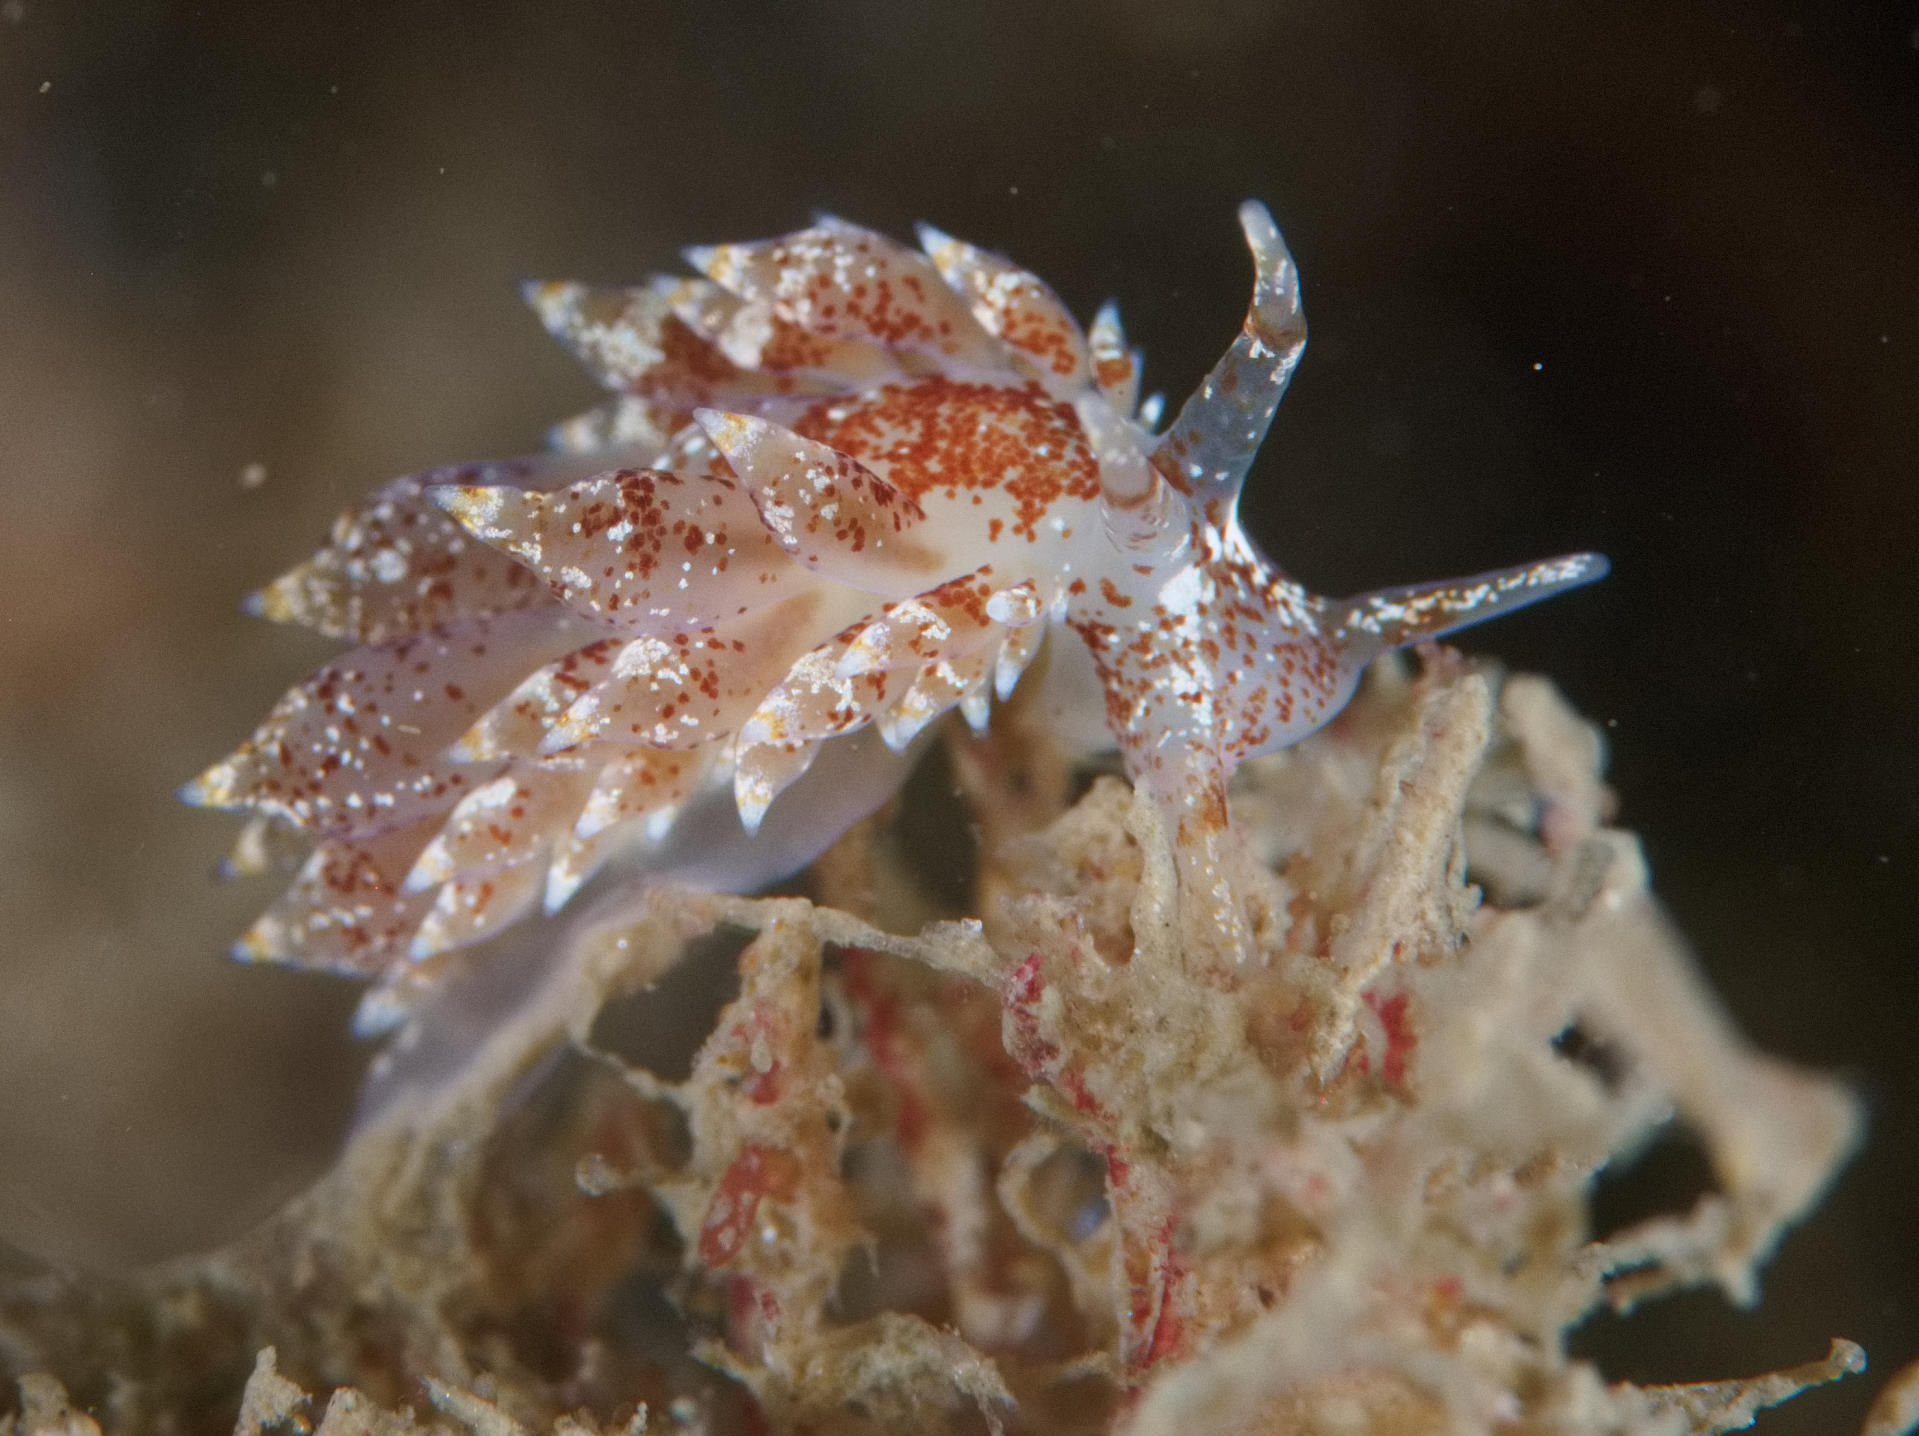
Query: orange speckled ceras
x: 842, y: 487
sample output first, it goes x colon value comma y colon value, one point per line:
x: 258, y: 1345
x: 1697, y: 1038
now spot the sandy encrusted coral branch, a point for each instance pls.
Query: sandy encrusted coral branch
x: 1058, y: 1169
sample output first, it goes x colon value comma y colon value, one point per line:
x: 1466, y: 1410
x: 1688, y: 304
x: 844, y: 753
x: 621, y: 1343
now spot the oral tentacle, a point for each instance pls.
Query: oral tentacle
x: 1393, y: 617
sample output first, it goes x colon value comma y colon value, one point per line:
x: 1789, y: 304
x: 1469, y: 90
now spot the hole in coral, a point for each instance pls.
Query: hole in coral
x: 640, y: 1323
x: 1599, y: 1057
x: 537, y: 1110
x: 701, y: 1300
x: 1668, y: 1177
x: 530, y: 1220
x: 898, y: 1273
x: 833, y: 1019
x: 660, y: 1028
x: 1067, y: 1193
x: 665, y: 1133
x: 902, y: 1269
x: 1079, y: 1403
x: 936, y: 837
x: 881, y: 1182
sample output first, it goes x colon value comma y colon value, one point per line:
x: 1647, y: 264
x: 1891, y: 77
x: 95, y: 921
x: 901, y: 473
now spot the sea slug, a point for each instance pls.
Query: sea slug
x: 842, y: 487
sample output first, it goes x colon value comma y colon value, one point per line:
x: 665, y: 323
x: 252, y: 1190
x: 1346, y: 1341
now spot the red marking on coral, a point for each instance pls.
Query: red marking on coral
x: 758, y: 1173
x: 879, y: 1009
x: 762, y: 1027
x: 753, y: 1314
x: 1035, y: 1053
x: 1153, y: 1271
x: 1025, y: 984
x: 1169, y: 1330
x: 753, y: 1417
x: 1401, y: 1039
x: 1074, y: 1081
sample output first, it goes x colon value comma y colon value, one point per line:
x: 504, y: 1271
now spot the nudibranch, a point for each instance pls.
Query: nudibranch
x: 842, y: 486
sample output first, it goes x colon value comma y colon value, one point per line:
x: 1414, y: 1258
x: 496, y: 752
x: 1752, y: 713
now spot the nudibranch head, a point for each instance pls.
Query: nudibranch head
x: 841, y: 487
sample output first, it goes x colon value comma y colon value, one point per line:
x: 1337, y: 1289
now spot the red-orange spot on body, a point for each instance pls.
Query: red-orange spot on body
x: 939, y: 435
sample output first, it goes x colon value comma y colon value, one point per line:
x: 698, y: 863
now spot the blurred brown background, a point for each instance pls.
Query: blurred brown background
x: 1634, y: 276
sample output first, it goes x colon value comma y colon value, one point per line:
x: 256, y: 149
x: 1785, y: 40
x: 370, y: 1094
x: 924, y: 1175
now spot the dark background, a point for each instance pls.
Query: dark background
x: 1623, y: 275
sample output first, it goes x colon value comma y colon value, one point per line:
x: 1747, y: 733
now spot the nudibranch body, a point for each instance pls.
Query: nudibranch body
x: 842, y: 487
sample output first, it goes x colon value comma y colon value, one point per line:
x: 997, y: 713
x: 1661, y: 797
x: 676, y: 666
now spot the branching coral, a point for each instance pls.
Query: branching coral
x: 1042, y: 1170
